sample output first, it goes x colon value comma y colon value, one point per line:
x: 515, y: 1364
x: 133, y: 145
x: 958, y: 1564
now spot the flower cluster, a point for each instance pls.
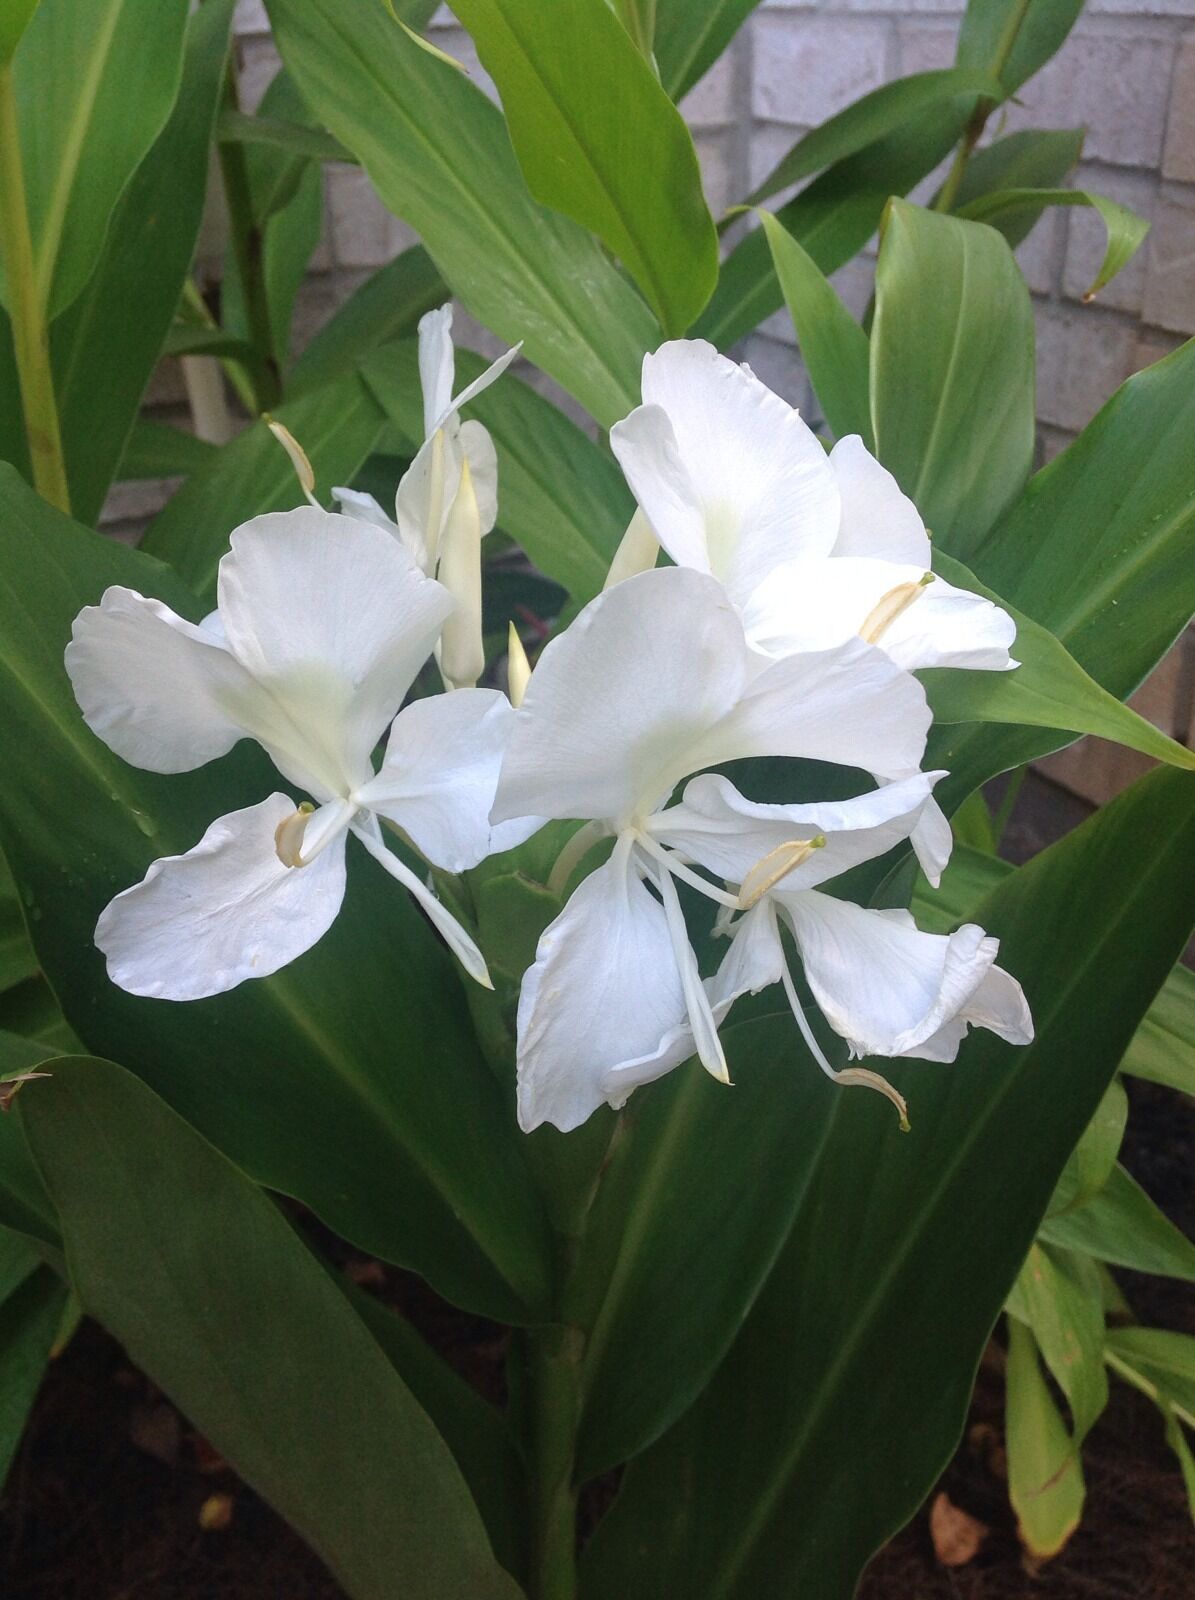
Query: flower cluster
x: 798, y: 604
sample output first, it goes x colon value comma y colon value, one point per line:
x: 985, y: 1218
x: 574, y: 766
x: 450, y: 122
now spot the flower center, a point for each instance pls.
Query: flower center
x: 299, y: 838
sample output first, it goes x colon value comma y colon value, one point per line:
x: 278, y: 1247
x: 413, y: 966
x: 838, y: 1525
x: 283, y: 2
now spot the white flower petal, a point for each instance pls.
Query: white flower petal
x: 425, y: 494
x: 331, y: 616
x: 729, y: 835
x: 878, y: 519
x: 932, y: 841
x: 356, y: 503
x: 200, y: 923
x: 479, y: 451
x: 616, y: 701
x: 604, y: 992
x: 882, y: 983
x: 646, y: 449
x: 438, y: 779
x: 483, y: 380
x: 437, y: 364
x: 154, y: 688
x: 998, y: 1004
x: 758, y: 473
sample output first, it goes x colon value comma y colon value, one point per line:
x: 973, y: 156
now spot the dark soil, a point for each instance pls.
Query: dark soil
x: 113, y: 1495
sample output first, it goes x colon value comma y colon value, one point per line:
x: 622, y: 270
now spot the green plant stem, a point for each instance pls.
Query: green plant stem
x: 948, y: 193
x: 29, y: 331
x: 556, y: 1407
x: 233, y: 370
x: 248, y: 247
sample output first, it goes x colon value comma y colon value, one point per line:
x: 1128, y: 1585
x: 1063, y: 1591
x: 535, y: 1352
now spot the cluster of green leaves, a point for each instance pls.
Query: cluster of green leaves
x: 771, y: 1305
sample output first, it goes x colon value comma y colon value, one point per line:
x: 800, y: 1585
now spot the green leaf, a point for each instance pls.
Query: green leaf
x: 17, y: 960
x: 1163, y: 1048
x: 1049, y: 689
x: 952, y: 353
x: 198, y: 339
x: 1125, y: 230
x: 1045, y: 1474
x: 18, y: 1260
x: 1121, y: 1225
x: 868, y: 119
x: 1101, y: 551
x: 833, y: 345
x: 14, y: 19
x: 337, y: 425
x: 439, y: 155
x: 278, y: 133
x: 1035, y: 158
x: 846, y: 1389
x: 94, y: 85
x: 1014, y: 38
x: 1166, y: 1359
x: 156, y: 450
x: 690, y: 38
x: 304, y: 1404
x: 341, y: 1079
x: 387, y: 306
x: 107, y: 345
x: 1057, y: 1295
x: 24, y: 1205
x: 1093, y: 1160
x: 29, y: 1320
x: 560, y: 498
x: 970, y: 875
x: 583, y: 106
x: 832, y: 219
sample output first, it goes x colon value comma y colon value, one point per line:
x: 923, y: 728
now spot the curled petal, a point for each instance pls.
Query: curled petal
x: 201, y: 923
x: 153, y: 687
x: 878, y: 519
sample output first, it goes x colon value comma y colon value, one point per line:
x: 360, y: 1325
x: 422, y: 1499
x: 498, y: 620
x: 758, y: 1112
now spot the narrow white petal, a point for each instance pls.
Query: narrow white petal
x: 437, y: 363
x: 878, y: 519
x: 603, y: 993
x: 932, y: 841
x: 153, y: 687
x: 333, y: 618
x: 881, y: 982
x: 425, y: 494
x: 201, y: 923
x: 461, y: 943
x: 646, y: 449
x: 617, y: 700
x: 356, y: 503
x: 438, y: 779
x: 479, y: 452
x: 471, y: 390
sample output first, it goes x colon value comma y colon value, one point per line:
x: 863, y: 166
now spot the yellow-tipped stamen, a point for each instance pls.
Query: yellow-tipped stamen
x: 298, y: 457
x: 518, y: 668
x: 776, y: 865
x: 892, y: 605
x: 848, y: 1076
x: 288, y: 835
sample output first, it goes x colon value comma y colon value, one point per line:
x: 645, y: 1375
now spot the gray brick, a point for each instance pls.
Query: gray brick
x: 1086, y: 239
x: 716, y: 154
x: 926, y: 48
x: 1178, y: 158
x: 1038, y: 254
x: 807, y: 68
x: 1114, y: 84
x: 779, y: 366
x: 1170, y: 274
x: 770, y: 143
x: 1082, y: 358
x: 250, y: 17
x: 710, y: 103
x: 259, y: 61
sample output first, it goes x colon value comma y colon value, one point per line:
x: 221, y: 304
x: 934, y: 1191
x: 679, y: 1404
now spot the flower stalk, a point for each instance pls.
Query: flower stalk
x: 28, y: 312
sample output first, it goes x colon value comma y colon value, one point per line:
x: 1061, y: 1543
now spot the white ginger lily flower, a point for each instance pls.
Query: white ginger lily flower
x: 322, y: 624
x: 882, y: 984
x: 812, y: 549
x: 655, y: 681
x: 447, y: 499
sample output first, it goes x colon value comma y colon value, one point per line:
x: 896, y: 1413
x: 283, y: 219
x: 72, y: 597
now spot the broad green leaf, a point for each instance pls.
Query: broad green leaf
x: 970, y: 875
x: 438, y: 153
x: 94, y: 84
x: 952, y: 353
x: 1093, y: 1160
x: 1166, y: 1359
x: 1049, y: 688
x: 1163, y: 1048
x: 278, y: 132
x: 337, y: 425
x: 29, y: 1320
x: 832, y: 219
x: 834, y: 347
x: 1013, y: 39
x: 1125, y: 230
x: 350, y: 1079
x: 690, y: 38
x: 193, y: 1269
x: 868, y: 119
x: 1035, y: 158
x: 106, y: 346
x: 846, y: 1389
x: 1045, y: 1474
x: 584, y: 107
x: 1100, y: 550
x: 201, y: 339
x: 387, y: 306
x: 18, y: 1260
x: 14, y: 19
x: 1057, y: 1295
x: 559, y: 497
x: 17, y: 960
x: 1121, y: 1225
x: 156, y: 450
x: 24, y: 1204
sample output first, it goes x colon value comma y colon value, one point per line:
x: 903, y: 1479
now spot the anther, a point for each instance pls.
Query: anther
x: 288, y: 835
x: 776, y: 865
x: 892, y: 605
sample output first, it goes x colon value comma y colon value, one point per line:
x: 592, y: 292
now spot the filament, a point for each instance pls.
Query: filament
x: 845, y: 1075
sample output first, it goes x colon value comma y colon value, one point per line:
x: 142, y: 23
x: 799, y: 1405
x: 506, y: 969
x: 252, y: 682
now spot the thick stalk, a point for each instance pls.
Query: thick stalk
x: 974, y: 130
x: 556, y: 1407
x: 27, y: 311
